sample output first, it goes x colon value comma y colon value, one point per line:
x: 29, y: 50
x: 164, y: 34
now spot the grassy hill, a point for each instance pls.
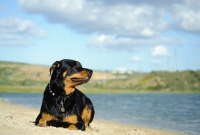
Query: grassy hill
x: 185, y: 81
x: 21, y: 74
x: 36, y: 77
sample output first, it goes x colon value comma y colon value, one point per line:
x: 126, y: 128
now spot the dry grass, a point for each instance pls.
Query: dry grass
x: 23, y: 73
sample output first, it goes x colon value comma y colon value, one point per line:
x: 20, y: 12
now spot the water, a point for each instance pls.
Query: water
x: 177, y: 112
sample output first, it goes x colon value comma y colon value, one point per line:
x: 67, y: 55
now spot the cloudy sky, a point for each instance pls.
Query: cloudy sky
x: 102, y: 34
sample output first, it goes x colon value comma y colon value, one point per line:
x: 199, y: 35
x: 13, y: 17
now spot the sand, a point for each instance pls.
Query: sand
x: 19, y: 120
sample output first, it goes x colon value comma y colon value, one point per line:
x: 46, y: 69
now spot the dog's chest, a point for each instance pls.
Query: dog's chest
x: 63, y: 105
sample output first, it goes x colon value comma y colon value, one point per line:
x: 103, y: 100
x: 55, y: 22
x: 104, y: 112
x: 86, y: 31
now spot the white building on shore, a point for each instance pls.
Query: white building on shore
x: 122, y: 71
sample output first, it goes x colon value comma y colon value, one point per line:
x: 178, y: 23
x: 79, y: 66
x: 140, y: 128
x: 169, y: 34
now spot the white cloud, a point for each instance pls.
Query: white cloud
x: 14, y: 26
x: 187, y: 15
x: 125, y: 18
x: 113, y: 42
x: 101, y: 38
x: 160, y: 50
x: 96, y: 16
x: 14, y: 31
x: 122, y: 25
x: 136, y: 59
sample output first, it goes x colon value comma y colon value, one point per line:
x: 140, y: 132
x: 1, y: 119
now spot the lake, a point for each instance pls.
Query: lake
x: 176, y: 112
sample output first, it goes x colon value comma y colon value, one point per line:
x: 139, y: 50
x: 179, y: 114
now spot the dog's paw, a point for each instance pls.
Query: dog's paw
x: 41, y: 124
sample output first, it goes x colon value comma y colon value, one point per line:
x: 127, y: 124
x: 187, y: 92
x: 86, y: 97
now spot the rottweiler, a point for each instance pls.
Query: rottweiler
x: 63, y: 104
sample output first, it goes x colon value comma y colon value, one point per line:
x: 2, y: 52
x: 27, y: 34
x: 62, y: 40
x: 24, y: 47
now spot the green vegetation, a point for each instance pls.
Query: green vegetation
x: 20, y: 77
x: 185, y: 81
x: 18, y: 89
x: 20, y: 74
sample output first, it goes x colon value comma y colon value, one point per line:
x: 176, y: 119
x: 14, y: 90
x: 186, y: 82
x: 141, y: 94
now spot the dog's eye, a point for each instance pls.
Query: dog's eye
x: 76, y: 67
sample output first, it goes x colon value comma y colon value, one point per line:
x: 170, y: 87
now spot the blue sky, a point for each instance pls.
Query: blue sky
x: 102, y: 35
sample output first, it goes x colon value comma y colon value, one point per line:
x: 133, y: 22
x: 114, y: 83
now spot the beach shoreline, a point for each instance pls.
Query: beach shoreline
x: 19, y: 120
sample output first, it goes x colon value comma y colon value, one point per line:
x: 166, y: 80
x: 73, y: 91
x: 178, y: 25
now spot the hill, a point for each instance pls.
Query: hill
x: 21, y: 74
x: 185, y: 81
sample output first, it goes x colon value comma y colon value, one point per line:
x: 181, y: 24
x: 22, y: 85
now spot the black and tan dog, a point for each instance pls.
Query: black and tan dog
x: 63, y: 105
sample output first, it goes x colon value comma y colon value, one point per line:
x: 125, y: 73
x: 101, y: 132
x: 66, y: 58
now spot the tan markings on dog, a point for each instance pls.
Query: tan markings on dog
x: 86, y: 116
x: 72, y: 119
x: 70, y: 85
x: 45, y: 118
x: 53, y: 67
x: 69, y: 90
x: 77, y: 63
x: 72, y: 127
x: 84, y: 73
x: 64, y: 74
x: 56, y: 65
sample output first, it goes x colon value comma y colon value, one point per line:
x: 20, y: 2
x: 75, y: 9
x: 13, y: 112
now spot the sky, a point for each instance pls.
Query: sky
x: 137, y: 35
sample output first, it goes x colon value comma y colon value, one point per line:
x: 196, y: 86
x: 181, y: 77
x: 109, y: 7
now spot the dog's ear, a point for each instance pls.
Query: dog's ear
x: 55, y: 65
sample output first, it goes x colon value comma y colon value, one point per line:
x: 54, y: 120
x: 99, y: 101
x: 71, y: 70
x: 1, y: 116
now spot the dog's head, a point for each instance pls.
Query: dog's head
x: 69, y: 73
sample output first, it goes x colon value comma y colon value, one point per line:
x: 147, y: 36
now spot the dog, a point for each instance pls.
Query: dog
x: 63, y: 104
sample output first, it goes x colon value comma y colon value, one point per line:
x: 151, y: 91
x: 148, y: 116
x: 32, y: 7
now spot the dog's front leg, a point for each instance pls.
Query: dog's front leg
x: 76, y: 122
x: 45, y: 118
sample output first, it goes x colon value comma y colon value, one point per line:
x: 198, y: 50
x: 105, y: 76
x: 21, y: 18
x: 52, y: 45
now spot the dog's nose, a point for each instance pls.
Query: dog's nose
x: 90, y: 71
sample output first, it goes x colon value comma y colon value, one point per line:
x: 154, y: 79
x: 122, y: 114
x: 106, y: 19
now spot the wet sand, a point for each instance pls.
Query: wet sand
x: 19, y: 120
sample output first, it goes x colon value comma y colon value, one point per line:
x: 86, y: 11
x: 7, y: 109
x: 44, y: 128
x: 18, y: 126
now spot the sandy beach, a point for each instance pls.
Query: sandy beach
x: 19, y: 120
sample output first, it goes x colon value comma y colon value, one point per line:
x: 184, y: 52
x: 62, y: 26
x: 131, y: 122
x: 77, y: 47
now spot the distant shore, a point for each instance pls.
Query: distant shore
x: 18, y: 120
x: 40, y: 89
